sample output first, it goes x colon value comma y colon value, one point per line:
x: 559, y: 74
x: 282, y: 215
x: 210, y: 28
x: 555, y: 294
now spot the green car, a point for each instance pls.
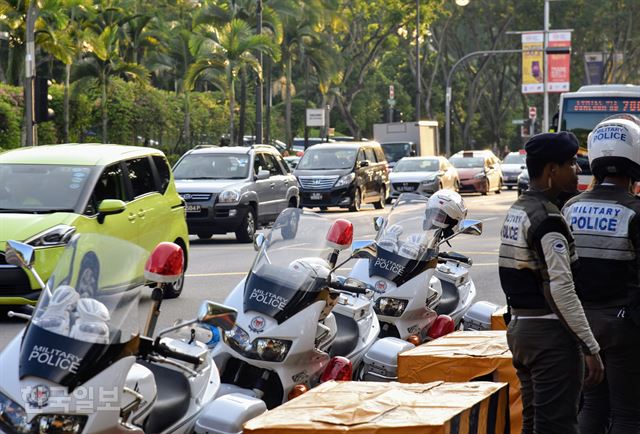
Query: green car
x: 50, y: 193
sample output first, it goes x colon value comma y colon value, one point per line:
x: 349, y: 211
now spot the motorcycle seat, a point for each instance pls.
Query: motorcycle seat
x: 172, y: 401
x: 450, y: 298
x: 346, y: 337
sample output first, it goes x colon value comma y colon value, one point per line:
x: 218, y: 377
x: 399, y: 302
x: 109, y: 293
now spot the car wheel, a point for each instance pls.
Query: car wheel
x: 87, y: 284
x: 499, y: 190
x: 509, y: 187
x: 247, y: 229
x: 380, y: 204
x: 204, y: 235
x: 356, y: 204
x: 322, y: 208
x: 173, y: 290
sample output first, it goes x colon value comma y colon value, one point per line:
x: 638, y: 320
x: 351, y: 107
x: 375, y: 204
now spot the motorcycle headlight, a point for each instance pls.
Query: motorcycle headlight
x: 229, y: 196
x: 480, y: 175
x: 345, y: 180
x: 58, y: 235
x: 271, y: 350
x: 388, y: 306
x: 14, y: 419
x: 237, y: 339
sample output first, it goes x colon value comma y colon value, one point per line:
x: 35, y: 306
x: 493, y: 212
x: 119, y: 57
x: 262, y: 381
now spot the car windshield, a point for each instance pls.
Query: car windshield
x: 417, y: 165
x: 42, y: 187
x: 212, y: 166
x: 321, y: 158
x: 467, y: 162
x: 515, y: 158
x: 396, y: 151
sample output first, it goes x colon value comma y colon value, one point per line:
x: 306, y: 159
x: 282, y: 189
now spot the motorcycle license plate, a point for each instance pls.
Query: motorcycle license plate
x: 193, y: 208
x: 316, y: 196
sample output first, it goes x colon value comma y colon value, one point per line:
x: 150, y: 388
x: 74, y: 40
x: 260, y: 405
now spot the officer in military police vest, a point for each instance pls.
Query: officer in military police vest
x: 605, y: 223
x: 548, y: 334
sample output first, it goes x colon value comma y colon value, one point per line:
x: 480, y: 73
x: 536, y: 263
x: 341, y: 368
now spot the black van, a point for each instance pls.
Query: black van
x: 345, y: 175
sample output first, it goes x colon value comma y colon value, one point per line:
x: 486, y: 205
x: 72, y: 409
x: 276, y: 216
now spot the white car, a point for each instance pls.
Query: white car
x: 512, y: 166
x: 423, y: 175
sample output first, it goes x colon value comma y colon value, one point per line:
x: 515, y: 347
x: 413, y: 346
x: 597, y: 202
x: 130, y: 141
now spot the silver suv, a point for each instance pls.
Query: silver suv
x: 234, y: 189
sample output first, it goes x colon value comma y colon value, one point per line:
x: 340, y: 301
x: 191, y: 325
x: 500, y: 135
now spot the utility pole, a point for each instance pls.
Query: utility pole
x: 30, y: 72
x: 259, y: 102
x: 545, y: 43
x: 418, y: 80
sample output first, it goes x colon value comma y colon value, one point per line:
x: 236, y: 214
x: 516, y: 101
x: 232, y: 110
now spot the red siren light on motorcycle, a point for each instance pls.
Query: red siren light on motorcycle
x: 340, y: 234
x: 165, y: 264
x: 443, y: 325
x: 338, y: 369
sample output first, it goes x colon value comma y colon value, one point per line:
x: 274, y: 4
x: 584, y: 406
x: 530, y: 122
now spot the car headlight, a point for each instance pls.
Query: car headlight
x: 388, y: 306
x: 267, y: 349
x: 429, y: 179
x: 480, y: 175
x: 345, y: 180
x: 14, y: 419
x: 229, y: 196
x: 58, y: 235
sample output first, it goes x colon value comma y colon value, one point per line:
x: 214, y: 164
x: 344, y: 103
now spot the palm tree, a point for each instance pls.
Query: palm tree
x: 221, y: 53
x: 103, y: 61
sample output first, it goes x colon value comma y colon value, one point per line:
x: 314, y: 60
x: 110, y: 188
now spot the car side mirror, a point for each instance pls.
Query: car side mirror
x: 109, y: 207
x: 364, y: 163
x: 217, y: 315
x: 471, y: 227
x: 19, y: 254
x: 263, y: 174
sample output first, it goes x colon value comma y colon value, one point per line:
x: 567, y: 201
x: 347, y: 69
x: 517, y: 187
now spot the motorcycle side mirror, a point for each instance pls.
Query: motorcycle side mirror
x: 19, y: 254
x: 378, y: 222
x: 166, y: 263
x: 471, y: 227
x: 364, y: 249
x: 340, y: 234
x: 258, y: 242
x: 217, y: 315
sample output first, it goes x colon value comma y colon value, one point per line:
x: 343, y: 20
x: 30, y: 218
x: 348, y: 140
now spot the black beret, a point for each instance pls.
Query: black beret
x: 552, y: 147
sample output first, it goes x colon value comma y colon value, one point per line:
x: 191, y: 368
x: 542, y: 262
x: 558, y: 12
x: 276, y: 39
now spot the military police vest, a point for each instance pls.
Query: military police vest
x: 523, y: 273
x: 605, y: 226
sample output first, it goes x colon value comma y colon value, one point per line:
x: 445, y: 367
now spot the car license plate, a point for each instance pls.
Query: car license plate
x: 406, y: 188
x: 316, y: 196
x: 193, y: 208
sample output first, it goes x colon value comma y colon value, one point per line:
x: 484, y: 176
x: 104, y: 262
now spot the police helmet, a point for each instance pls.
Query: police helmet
x: 445, y: 210
x: 614, y: 147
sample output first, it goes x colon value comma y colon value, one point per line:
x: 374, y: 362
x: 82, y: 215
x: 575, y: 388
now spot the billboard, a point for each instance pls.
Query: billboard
x: 558, y: 65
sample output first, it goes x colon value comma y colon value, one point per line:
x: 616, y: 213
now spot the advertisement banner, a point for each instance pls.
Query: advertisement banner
x: 594, y: 68
x: 558, y: 65
x: 532, y: 62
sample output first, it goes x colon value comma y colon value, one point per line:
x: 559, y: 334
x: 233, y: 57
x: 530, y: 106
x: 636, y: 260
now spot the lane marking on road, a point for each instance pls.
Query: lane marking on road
x: 488, y: 264
x: 236, y: 273
x: 489, y: 219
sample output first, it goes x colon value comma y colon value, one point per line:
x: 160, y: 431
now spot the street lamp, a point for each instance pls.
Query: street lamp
x: 418, y: 73
x: 259, y: 90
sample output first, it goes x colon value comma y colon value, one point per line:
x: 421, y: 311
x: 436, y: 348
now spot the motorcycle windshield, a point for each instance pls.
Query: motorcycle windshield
x: 76, y: 333
x: 406, y: 244
x: 291, y: 268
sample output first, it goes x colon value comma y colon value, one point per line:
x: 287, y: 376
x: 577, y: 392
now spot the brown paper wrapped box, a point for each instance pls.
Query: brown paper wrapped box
x: 391, y: 408
x: 464, y: 356
x: 497, y: 319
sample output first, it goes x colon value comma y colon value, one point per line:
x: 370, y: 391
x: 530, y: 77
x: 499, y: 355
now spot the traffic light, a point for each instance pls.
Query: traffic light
x: 41, y: 99
x: 397, y: 115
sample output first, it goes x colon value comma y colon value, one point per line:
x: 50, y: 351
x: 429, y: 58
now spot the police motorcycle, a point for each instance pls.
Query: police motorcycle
x: 297, y: 323
x: 421, y: 293
x: 81, y: 364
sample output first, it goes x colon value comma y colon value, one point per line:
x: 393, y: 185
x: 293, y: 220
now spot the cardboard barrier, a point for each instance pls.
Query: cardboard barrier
x: 464, y: 356
x: 391, y: 408
x: 497, y: 319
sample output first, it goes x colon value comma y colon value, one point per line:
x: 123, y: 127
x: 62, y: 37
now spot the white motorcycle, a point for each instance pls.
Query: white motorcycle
x: 420, y: 292
x: 81, y: 364
x: 297, y: 323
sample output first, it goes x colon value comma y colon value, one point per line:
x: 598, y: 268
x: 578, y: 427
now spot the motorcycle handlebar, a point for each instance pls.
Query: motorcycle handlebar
x: 348, y: 288
x: 166, y: 352
x: 455, y: 257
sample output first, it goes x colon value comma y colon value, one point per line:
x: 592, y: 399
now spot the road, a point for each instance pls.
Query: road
x: 218, y: 264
